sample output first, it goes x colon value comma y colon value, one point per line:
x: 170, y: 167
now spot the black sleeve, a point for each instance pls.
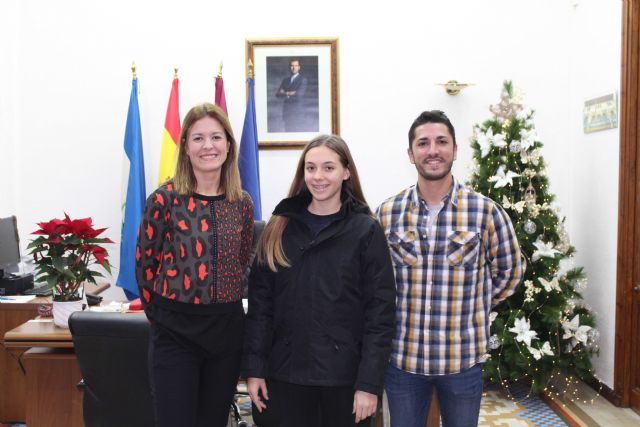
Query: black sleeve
x: 149, y: 245
x: 259, y: 322
x: 380, y: 308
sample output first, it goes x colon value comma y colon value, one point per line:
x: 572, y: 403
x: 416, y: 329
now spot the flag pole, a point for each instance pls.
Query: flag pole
x: 133, y: 70
x: 220, y: 70
x: 250, y: 69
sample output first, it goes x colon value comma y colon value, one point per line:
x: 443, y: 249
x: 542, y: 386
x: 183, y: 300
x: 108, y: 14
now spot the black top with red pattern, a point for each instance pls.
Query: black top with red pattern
x: 193, y: 249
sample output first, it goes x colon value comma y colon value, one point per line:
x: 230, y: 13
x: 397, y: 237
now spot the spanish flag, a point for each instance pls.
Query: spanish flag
x: 170, y: 135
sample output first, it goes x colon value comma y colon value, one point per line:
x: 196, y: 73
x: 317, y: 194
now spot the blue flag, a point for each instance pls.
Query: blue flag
x: 136, y: 196
x: 248, y: 160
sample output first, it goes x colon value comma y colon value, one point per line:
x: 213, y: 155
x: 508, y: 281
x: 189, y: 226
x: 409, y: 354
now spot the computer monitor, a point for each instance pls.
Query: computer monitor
x: 9, y: 246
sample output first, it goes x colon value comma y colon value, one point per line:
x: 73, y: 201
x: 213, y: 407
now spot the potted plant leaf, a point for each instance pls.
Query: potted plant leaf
x: 66, y: 253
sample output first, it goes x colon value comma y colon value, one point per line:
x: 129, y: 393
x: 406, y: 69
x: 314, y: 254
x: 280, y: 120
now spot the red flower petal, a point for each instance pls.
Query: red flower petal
x: 100, y: 254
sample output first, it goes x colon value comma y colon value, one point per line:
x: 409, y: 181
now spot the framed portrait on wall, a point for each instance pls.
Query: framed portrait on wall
x: 296, y: 89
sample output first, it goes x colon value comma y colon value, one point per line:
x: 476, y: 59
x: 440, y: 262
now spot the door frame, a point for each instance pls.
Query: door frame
x: 628, y: 203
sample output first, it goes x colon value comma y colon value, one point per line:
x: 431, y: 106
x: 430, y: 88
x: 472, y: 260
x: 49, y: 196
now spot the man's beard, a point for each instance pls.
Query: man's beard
x: 433, y: 176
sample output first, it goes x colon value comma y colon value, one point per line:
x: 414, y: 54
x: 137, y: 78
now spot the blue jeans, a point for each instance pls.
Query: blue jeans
x: 409, y: 397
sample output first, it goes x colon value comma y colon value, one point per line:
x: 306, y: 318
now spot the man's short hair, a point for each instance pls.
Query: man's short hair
x: 433, y: 116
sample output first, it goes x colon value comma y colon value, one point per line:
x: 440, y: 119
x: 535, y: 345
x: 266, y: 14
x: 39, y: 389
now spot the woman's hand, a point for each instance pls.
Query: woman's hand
x: 364, y: 405
x: 257, y: 387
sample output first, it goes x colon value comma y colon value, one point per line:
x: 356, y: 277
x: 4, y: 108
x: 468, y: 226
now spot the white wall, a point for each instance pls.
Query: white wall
x: 593, y: 164
x: 8, y: 122
x: 68, y: 64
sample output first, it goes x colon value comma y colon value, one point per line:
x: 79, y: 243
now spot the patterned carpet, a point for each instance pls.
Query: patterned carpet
x: 498, y: 410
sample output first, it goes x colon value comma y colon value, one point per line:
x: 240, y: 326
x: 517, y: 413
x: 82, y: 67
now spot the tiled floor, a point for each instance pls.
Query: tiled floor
x: 598, y: 411
x: 585, y: 408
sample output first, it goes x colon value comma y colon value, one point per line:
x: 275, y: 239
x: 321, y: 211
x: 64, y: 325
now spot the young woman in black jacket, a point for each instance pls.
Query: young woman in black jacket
x: 321, y: 300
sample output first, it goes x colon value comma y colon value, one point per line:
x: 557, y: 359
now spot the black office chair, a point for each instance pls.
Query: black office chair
x: 112, y: 351
x: 258, y: 227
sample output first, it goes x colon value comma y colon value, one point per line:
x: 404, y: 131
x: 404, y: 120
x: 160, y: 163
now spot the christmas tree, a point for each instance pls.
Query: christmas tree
x: 544, y: 329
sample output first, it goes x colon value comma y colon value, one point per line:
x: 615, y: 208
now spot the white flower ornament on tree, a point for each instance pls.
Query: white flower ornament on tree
x: 503, y: 178
x: 538, y: 353
x: 498, y: 140
x: 484, y: 142
x: 549, y: 286
x: 564, y: 266
x: 518, y: 206
x: 488, y: 139
x: 543, y: 249
x: 575, y: 331
x: 522, y: 329
x: 528, y: 138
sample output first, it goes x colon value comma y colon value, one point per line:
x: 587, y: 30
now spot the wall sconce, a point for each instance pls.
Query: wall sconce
x: 453, y: 87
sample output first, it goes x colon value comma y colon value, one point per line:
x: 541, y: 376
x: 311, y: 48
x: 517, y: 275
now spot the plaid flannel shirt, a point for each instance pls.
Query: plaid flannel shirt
x: 448, y: 276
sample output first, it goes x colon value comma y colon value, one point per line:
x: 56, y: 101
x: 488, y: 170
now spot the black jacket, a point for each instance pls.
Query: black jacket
x: 329, y: 319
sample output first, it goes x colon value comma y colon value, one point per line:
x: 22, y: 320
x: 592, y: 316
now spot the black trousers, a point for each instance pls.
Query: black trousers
x: 293, y: 405
x: 191, y: 386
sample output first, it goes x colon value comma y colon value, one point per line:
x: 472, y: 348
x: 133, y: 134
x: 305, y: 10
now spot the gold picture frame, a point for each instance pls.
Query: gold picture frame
x: 296, y: 89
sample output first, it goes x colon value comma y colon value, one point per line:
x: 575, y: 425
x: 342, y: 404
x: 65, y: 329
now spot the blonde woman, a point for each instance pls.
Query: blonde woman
x: 193, y: 246
x: 321, y: 300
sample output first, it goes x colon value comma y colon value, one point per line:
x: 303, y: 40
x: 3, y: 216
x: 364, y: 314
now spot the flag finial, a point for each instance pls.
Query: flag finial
x: 220, y: 70
x: 133, y: 70
x: 250, y: 69
x: 175, y: 72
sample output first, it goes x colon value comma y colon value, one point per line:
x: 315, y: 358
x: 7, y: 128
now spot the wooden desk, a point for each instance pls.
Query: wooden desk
x: 38, y: 333
x: 52, y: 376
x: 13, y: 381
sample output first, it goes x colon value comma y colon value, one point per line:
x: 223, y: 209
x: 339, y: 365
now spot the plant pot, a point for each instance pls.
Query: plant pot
x: 62, y: 310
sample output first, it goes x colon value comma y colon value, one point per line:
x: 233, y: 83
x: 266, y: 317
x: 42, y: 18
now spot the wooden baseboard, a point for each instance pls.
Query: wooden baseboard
x: 605, y: 391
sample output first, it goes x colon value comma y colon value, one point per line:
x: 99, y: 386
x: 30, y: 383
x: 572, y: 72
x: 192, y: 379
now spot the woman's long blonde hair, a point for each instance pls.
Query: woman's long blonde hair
x: 184, y: 181
x: 269, y: 250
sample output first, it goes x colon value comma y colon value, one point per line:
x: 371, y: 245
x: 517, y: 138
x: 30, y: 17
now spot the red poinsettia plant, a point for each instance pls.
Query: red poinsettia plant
x: 65, y: 252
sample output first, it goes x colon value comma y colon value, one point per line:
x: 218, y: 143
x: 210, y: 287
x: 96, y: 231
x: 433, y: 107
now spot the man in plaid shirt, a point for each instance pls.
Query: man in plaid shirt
x: 455, y: 255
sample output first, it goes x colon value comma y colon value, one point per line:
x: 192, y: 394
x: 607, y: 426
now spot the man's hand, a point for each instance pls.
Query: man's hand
x: 364, y: 405
x: 256, y: 387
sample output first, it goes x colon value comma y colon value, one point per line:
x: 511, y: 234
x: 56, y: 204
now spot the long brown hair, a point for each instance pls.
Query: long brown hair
x: 184, y: 181
x: 269, y: 249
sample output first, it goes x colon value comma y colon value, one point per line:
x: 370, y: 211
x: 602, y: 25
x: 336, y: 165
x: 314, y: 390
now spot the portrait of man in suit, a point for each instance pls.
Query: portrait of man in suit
x: 294, y: 105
